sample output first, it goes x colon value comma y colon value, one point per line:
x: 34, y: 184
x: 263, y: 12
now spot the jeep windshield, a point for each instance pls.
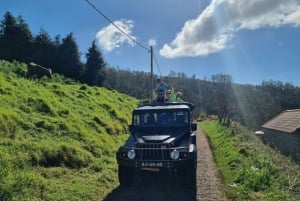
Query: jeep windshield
x: 160, y: 119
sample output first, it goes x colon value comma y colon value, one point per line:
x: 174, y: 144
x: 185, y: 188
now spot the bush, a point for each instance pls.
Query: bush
x: 8, y: 123
x: 4, y: 166
x: 22, y: 186
x: 61, y: 156
x: 40, y: 105
x: 13, y: 68
x: 256, y: 173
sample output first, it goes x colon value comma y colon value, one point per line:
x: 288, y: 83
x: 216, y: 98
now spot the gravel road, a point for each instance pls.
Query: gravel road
x: 157, y: 187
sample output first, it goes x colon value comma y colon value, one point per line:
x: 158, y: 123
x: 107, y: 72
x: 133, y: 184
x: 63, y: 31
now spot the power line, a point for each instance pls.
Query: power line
x: 123, y: 32
x: 157, y: 64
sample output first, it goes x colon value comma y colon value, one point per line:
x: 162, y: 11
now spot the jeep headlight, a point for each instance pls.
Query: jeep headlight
x: 174, y: 154
x: 131, y: 154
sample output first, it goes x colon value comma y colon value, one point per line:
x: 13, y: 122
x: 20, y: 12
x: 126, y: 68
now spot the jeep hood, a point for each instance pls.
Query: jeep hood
x: 153, y: 137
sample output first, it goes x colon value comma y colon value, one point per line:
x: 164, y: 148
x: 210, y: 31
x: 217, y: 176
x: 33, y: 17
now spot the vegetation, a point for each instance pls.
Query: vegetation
x: 250, y: 105
x: 94, y: 73
x: 53, y: 129
x: 58, y: 138
x: 61, y: 55
x: 249, y: 169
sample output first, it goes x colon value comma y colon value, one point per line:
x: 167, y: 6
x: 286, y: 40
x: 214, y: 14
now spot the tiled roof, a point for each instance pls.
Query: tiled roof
x: 288, y: 121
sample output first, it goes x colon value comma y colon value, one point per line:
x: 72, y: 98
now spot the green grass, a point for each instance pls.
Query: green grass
x: 251, y: 170
x: 58, y: 138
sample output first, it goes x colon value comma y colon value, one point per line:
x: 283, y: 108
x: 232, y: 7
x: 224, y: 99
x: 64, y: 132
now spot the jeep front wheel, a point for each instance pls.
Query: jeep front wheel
x: 188, y: 175
x: 191, y: 176
x: 126, y: 175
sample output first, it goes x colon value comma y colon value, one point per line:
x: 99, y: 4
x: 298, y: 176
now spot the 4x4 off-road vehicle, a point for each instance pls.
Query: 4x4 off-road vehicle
x: 163, y: 138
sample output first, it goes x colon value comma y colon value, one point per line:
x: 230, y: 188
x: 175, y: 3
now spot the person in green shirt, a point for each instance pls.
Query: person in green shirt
x: 177, y: 96
x: 174, y: 97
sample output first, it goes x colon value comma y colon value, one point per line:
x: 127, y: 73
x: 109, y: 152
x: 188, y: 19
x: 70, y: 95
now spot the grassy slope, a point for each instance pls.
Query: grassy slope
x: 57, y: 140
x: 251, y: 170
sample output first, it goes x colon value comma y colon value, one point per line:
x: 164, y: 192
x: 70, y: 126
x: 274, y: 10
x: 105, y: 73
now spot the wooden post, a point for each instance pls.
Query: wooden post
x: 152, y: 83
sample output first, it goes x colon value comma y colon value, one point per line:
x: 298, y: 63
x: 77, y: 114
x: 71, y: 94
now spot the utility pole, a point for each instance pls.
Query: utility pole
x: 152, y: 84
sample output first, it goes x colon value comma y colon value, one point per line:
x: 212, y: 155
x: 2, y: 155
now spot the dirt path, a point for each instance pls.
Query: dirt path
x: 156, y: 187
x: 208, y: 184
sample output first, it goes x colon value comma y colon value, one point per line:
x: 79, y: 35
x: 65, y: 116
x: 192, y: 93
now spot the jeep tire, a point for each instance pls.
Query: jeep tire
x: 191, y: 176
x: 126, y: 175
x: 188, y: 175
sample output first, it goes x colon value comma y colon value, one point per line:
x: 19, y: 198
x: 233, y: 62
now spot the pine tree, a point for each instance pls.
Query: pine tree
x: 94, y: 73
x: 16, y: 39
x: 69, y: 58
x: 43, y: 49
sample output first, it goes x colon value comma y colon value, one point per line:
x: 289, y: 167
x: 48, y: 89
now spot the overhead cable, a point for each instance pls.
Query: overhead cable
x: 157, y: 64
x: 123, y: 32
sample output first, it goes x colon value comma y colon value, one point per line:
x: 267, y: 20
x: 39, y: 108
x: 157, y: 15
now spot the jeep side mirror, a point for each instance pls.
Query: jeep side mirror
x: 194, y: 126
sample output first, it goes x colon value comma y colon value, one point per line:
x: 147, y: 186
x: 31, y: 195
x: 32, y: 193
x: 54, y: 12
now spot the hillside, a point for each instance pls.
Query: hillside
x: 58, y: 138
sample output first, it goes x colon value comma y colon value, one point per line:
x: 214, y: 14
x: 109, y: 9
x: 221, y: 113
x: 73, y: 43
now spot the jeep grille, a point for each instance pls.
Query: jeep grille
x: 153, y: 151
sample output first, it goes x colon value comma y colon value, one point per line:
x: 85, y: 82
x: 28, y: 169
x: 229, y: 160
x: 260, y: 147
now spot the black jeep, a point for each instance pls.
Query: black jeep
x: 163, y: 137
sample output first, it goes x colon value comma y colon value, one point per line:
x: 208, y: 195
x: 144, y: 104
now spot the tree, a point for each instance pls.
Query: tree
x: 94, y: 73
x: 69, y: 58
x: 16, y: 39
x: 44, y: 49
x: 224, y: 97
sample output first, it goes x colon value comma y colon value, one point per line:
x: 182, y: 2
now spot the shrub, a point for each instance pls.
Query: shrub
x: 4, y: 166
x: 8, y: 123
x: 61, y: 156
x: 22, y: 186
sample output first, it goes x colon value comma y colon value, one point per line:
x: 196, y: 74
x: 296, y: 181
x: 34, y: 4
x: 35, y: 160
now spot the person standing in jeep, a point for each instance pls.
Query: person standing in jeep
x: 161, y: 90
x: 162, y: 139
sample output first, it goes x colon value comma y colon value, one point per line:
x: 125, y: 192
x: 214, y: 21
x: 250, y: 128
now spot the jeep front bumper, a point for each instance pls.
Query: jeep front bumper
x: 157, y: 161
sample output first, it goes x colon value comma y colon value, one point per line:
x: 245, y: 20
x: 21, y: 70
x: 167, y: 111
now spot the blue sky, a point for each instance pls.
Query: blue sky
x: 252, y: 40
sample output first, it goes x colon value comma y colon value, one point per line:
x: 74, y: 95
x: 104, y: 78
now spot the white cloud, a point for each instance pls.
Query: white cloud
x: 211, y: 31
x: 110, y: 37
x: 152, y: 42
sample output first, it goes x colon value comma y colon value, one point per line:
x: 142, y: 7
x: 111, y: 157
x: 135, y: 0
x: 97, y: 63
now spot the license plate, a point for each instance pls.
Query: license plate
x: 151, y: 164
x: 150, y: 169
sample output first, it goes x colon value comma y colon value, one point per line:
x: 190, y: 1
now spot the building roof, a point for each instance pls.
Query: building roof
x: 287, y: 121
